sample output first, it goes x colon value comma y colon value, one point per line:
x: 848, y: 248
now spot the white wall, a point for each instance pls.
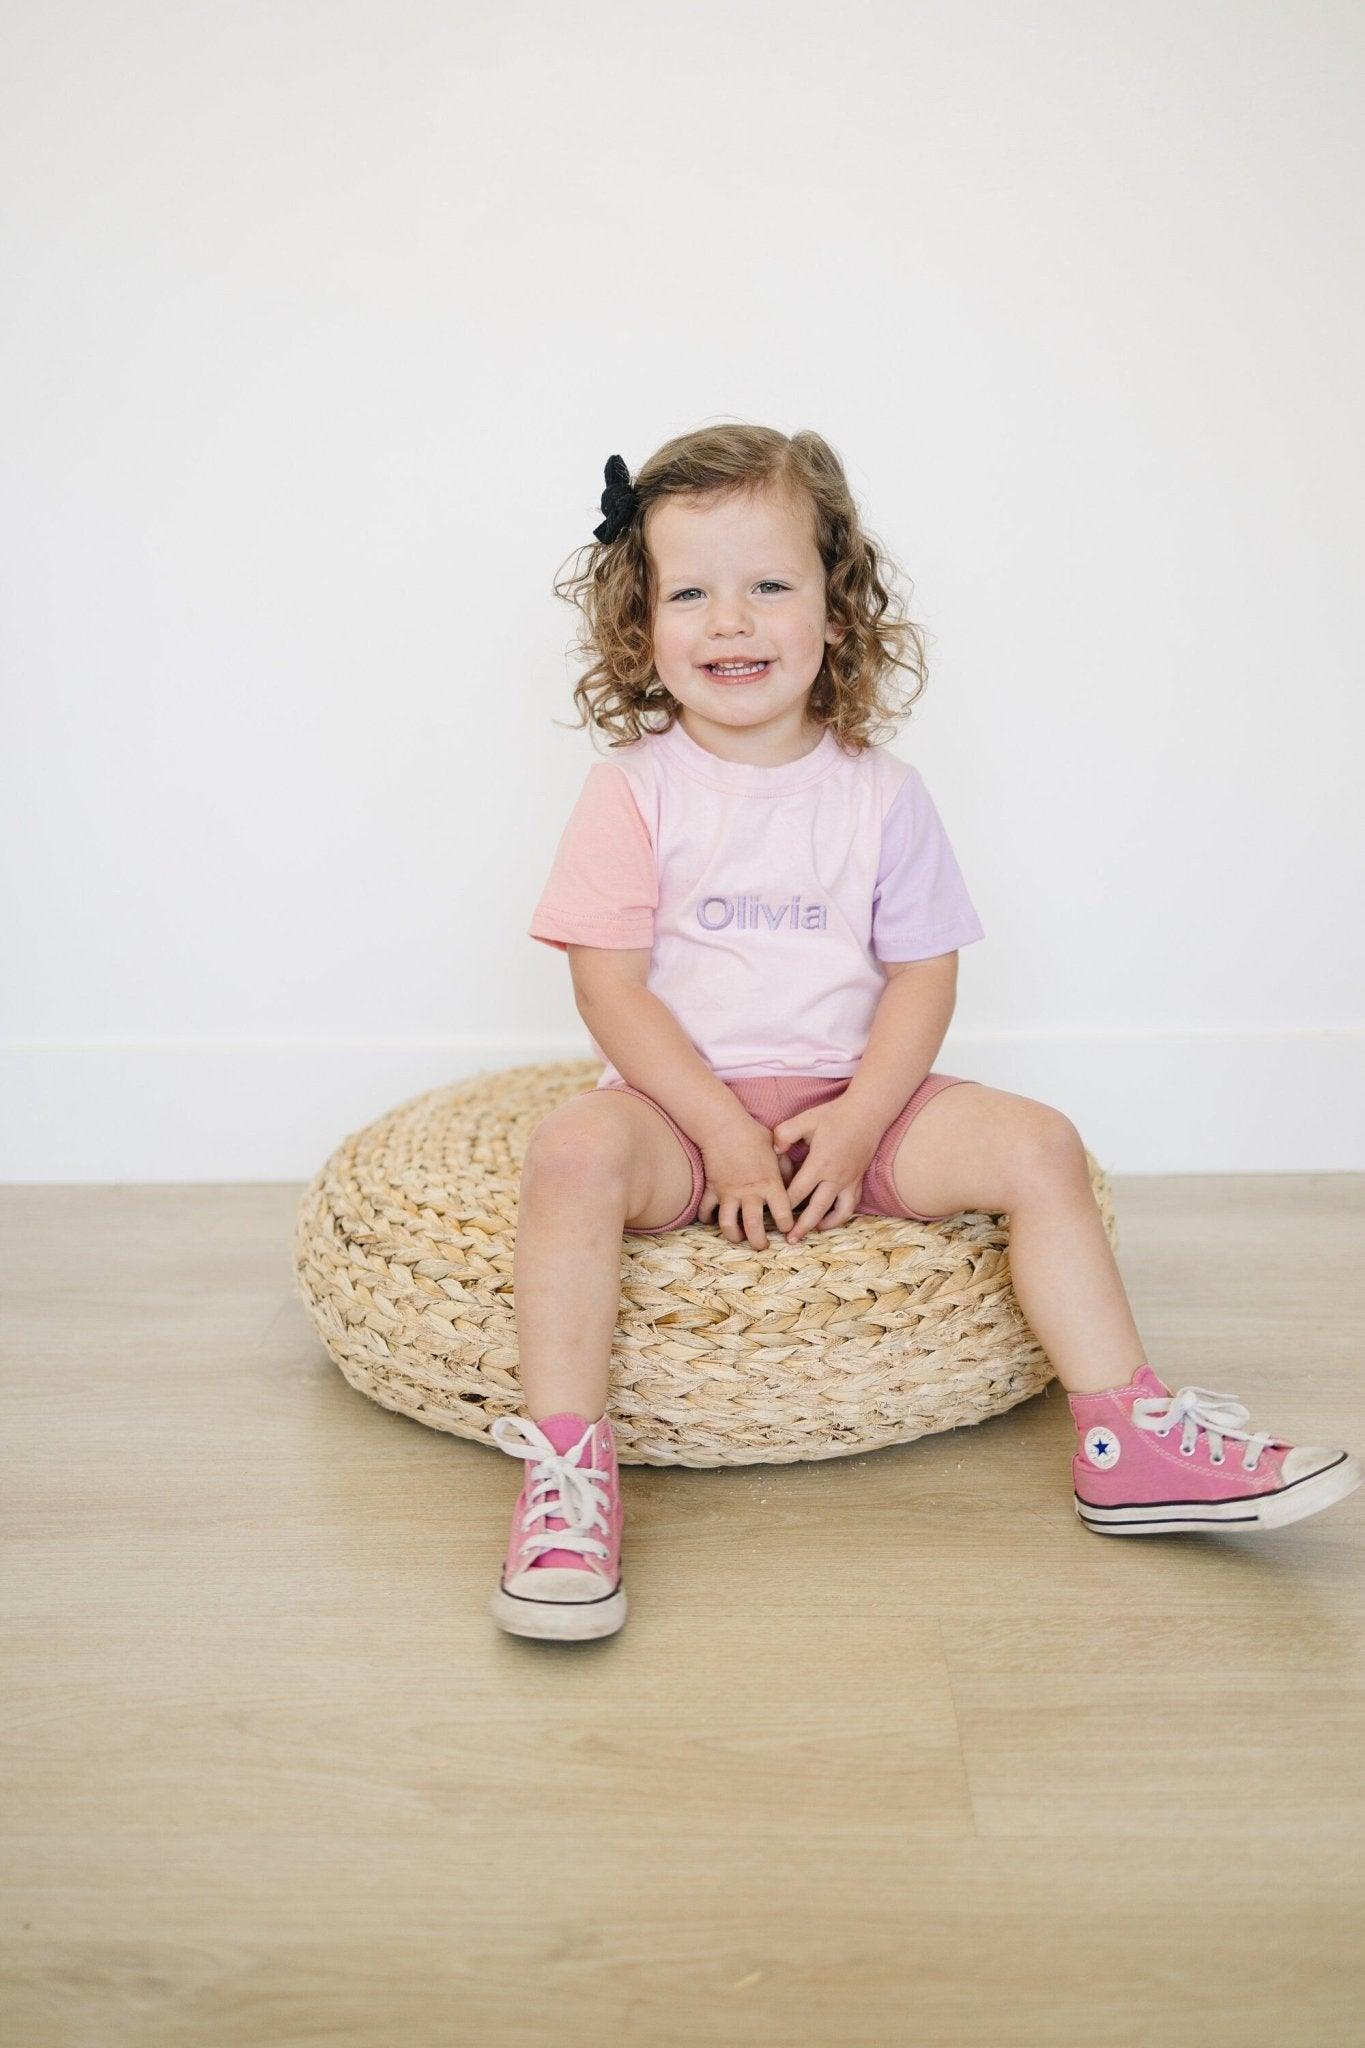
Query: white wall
x: 321, y: 322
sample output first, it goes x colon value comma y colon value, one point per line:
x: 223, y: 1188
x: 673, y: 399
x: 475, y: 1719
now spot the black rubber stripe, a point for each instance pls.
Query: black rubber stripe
x: 1160, y: 1521
x: 530, y: 1600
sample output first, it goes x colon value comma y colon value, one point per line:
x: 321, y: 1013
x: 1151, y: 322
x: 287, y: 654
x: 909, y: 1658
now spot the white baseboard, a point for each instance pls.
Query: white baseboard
x: 1217, y: 1101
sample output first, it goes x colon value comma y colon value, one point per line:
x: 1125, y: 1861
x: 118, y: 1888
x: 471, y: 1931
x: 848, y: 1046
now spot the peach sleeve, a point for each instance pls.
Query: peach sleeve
x: 602, y: 888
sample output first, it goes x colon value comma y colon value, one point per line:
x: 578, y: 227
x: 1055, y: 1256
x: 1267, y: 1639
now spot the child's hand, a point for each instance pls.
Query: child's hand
x: 838, y: 1149
x: 743, y: 1174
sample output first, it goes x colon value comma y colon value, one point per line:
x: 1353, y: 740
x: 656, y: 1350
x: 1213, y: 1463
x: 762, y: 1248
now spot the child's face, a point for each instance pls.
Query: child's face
x: 739, y: 578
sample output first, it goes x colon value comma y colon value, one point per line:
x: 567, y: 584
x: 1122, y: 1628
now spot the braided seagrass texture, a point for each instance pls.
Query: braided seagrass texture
x: 872, y: 1333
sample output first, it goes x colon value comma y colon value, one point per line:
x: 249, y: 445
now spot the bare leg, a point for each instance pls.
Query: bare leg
x: 567, y: 1282
x: 975, y: 1147
x: 588, y: 1168
x: 1068, y: 1285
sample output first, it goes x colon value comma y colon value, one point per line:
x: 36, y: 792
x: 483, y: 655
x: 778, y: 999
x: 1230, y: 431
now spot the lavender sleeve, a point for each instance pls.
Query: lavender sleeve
x: 920, y: 906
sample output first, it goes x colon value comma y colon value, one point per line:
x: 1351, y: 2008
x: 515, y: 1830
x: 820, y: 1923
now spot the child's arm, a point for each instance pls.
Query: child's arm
x: 644, y: 1041
x: 914, y: 1011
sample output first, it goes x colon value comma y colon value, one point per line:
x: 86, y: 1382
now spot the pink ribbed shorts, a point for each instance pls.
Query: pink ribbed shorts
x: 774, y: 1097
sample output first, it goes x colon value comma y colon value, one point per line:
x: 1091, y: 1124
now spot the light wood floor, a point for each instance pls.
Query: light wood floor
x: 891, y: 1750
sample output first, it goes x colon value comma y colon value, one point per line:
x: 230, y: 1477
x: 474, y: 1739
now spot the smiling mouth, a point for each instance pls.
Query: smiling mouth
x: 732, y: 672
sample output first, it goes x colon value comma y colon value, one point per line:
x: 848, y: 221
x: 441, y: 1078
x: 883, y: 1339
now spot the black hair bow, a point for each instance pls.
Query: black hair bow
x: 619, y: 500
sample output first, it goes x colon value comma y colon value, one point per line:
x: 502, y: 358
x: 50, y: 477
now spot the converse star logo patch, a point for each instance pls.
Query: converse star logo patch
x: 1101, y: 1446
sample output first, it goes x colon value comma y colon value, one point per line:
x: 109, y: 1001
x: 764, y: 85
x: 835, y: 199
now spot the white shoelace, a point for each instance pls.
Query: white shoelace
x: 1197, y: 1408
x: 578, y: 1498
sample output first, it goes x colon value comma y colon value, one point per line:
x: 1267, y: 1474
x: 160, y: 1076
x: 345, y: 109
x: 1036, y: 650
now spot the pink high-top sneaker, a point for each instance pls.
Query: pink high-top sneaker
x: 561, y: 1578
x: 1150, y: 1462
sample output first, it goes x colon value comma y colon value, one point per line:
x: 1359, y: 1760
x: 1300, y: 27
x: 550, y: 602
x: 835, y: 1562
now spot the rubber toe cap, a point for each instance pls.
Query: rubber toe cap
x: 1306, y: 1459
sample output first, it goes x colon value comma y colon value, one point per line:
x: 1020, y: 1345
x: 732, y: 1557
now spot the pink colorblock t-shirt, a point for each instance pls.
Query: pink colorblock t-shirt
x: 766, y: 895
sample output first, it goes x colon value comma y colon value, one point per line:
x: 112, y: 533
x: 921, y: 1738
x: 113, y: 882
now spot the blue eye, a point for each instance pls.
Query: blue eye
x: 768, y: 583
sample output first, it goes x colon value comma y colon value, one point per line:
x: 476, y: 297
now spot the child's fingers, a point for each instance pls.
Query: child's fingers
x: 843, y: 1211
x: 819, y: 1201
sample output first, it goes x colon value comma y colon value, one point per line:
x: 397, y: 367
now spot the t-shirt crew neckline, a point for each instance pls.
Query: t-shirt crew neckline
x: 750, y: 778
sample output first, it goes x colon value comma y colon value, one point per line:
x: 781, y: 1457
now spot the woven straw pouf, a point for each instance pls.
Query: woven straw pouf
x: 872, y: 1333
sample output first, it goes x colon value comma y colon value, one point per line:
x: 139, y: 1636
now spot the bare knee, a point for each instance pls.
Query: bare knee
x: 577, y: 1149
x: 1045, y: 1147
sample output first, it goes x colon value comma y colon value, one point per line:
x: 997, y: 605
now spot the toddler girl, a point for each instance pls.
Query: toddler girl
x: 762, y: 915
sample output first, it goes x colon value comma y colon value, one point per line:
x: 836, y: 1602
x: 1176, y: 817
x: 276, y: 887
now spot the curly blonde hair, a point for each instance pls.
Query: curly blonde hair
x: 854, y: 694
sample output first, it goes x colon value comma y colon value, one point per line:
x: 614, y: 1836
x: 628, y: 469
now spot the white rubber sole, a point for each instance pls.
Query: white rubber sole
x: 559, y: 1621
x: 1307, y: 1496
